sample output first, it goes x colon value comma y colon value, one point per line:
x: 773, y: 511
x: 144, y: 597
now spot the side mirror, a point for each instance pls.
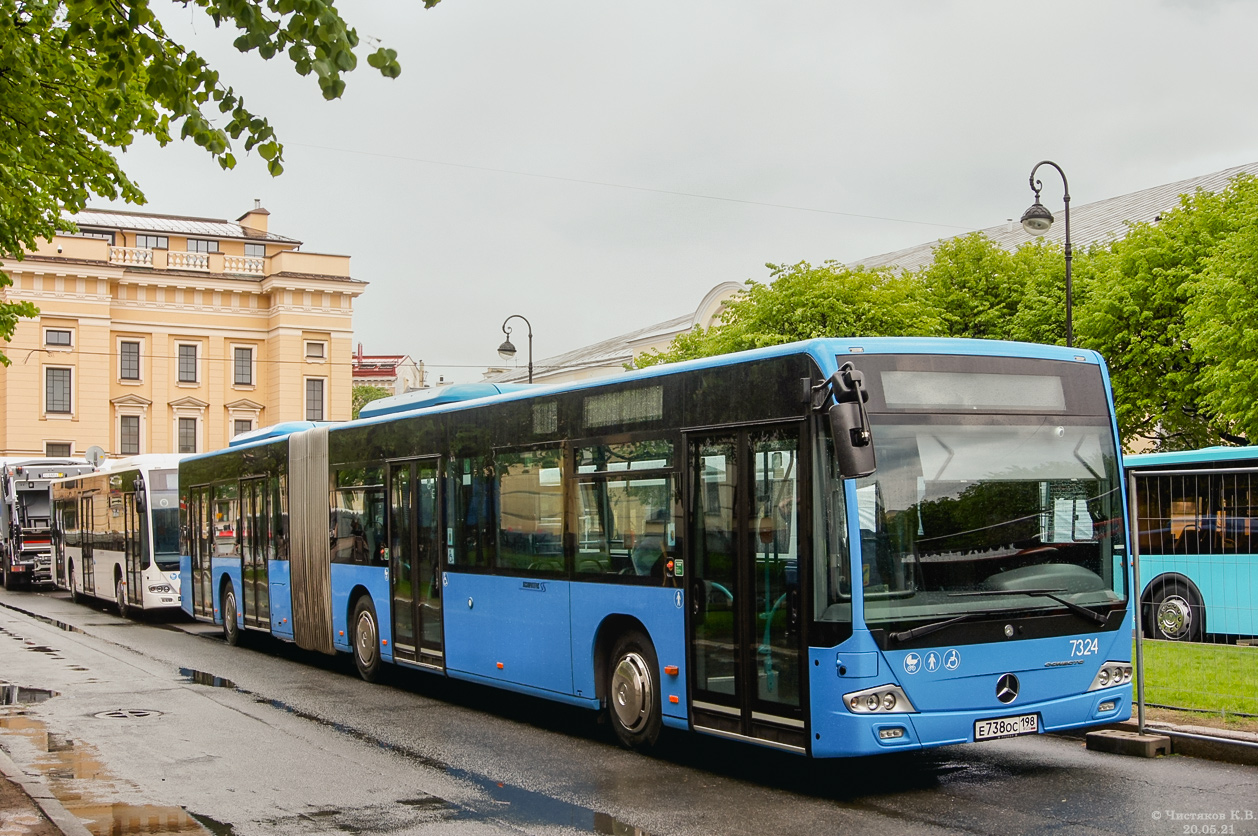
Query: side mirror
x: 849, y: 423
x: 141, y: 498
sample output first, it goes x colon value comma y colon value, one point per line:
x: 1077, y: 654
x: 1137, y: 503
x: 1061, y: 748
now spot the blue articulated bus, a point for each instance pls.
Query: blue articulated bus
x: 833, y: 547
x: 1197, y: 524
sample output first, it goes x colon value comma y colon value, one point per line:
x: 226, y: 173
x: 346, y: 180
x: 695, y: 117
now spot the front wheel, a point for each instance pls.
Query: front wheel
x: 633, y: 692
x: 366, y: 640
x: 231, y: 630
x: 1177, y: 613
x: 120, y: 597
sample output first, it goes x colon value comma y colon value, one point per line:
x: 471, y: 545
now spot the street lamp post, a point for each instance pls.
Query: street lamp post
x: 1037, y: 221
x: 507, y: 351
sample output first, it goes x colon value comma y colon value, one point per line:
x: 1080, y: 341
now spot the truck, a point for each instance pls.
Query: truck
x: 26, y: 534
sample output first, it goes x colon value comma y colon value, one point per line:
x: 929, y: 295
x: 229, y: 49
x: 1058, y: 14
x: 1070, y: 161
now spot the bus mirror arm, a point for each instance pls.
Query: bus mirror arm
x: 849, y: 422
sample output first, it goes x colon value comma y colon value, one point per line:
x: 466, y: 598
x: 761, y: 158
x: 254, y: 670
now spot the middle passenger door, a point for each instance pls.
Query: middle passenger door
x: 415, y: 552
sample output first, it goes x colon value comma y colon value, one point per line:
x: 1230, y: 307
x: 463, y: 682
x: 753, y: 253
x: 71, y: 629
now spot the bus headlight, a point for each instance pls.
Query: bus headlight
x: 162, y: 589
x: 1111, y: 674
x: 885, y: 699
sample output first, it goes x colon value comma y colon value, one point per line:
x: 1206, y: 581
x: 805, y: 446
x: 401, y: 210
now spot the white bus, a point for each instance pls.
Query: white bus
x: 117, y: 533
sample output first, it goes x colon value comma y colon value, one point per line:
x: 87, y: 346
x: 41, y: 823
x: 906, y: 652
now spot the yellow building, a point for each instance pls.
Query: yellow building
x: 168, y: 334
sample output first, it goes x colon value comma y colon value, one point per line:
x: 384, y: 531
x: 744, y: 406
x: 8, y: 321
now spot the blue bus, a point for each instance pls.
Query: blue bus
x: 833, y: 547
x: 1197, y: 522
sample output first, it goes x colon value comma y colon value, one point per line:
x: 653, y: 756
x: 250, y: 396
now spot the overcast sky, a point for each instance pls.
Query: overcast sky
x: 598, y: 167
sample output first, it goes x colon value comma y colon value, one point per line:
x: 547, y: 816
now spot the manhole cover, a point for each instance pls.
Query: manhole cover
x: 129, y: 714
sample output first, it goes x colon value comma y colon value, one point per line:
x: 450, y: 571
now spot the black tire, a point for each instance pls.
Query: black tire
x: 231, y: 630
x: 366, y: 634
x: 8, y: 580
x: 120, y: 597
x: 1176, y: 613
x: 633, y: 692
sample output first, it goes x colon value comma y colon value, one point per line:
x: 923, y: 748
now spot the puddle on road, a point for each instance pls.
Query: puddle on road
x: 79, y: 781
x: 16, y: 695
x: 202, y: 678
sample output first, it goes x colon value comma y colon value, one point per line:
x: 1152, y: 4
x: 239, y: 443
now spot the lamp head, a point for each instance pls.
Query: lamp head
x: 506, y: 351
x: 1037, y: 219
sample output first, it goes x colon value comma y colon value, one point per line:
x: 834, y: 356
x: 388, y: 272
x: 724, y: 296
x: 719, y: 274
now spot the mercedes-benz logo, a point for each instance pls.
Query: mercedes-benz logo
x: 1007, y: 688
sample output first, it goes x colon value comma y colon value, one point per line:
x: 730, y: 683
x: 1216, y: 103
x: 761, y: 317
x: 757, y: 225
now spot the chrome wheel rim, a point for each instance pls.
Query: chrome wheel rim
x: 365, y: 635
x: 1174, y: 618
x: 229, y: 612
x: 632, y: 695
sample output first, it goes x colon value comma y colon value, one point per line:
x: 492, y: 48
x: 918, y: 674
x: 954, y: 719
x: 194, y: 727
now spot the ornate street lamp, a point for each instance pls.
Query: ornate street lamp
x: 1037, y: 221
x: 507, y: 351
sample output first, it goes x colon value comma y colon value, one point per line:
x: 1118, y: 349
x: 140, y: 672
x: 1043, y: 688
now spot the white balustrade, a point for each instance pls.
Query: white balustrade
x: 247, y: 264
x: 188, y: 261
x: 137, y: 256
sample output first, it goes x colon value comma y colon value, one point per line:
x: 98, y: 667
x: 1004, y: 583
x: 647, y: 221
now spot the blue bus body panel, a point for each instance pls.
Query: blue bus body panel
x: 662, y: 613
x: 1207, y: 455
x: 228, y: 567
x: 1224, y: 580
x: 280, y: 590
x: 348, y: 579
x: 185, y: 589
x: 509, y: 630
x: 1053, y: 678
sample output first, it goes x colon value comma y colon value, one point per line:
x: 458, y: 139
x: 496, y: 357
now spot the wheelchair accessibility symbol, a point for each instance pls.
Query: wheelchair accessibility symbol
x: 952, y: 659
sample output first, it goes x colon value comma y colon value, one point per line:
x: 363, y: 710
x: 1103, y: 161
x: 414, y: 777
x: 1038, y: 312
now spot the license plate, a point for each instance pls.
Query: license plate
x: 1006, y: 727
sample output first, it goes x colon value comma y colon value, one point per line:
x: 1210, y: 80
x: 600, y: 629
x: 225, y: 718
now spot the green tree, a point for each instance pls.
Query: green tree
x: 1143, y: 288
x: 81, y: 79
x: 802, y: 301
x: 365, y: 394
x: 1223, y: 318
x: 975, y: 285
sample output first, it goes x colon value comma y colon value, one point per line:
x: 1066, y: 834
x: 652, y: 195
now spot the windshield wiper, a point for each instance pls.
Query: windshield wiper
x: 1078, y: 609
x: 934, y: 627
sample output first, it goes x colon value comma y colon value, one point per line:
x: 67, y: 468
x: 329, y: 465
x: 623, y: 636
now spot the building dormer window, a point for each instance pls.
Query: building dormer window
x: 255, y: 250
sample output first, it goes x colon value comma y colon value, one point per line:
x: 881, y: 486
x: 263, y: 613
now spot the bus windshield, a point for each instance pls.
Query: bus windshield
x: 982, y: 514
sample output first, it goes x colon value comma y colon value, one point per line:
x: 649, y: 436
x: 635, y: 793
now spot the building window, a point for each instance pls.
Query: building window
x: 58, y: 337
x: 57, y: 450
x: 152, y: 242
x: 200, y: 245
x: 187, y: 364
x: 129, y: 360
x: 57, y: 390
x: 244, y: 366
x: 129, y: 435
x: 314, y: 399
x: 315, y: 350
x: 241, y: 426
x: 255, y: 250
x: 187, y: 435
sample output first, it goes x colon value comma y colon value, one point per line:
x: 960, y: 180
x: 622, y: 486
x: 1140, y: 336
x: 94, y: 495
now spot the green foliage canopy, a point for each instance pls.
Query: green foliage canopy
x: 81, y: 79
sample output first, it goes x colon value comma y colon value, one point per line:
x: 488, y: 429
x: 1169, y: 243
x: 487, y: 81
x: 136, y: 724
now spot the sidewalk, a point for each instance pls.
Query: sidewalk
x: 28, y: 807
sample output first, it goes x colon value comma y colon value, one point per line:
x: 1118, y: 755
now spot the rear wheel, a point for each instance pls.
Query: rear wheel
x: 633, y: 692
x: 1176, y: 613
x: 8, y: 579
x: 366, y: 639
x: 120, y: 597
x: 231, y: 630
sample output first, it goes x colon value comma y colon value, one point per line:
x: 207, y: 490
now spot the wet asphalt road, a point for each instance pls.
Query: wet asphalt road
x: 161, y: 728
